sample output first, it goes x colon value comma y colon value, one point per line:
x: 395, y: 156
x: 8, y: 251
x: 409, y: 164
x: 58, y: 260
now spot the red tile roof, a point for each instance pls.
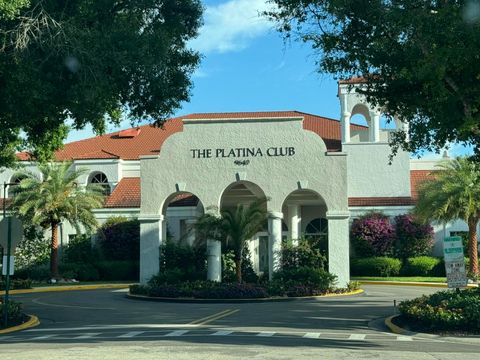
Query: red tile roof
x: 125, y: 195
x: 416, y: 178
x: 147, y: 140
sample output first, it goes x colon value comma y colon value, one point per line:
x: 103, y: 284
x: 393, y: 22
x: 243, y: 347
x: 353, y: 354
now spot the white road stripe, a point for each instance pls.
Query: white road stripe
x: 357, y: 337
x: 177, y: 333
x: 222, y: 333
x: 311, y: 335
x: 131, y: 334
x: 404, y: 338
x: 86, y: 336
x: 265, y: 333
x: 113, y: 327
x: 44, y: 337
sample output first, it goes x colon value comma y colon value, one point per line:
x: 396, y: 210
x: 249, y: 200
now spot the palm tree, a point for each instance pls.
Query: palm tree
x: 55, y: 197
x: 453, y: 194
x: 234, y: 228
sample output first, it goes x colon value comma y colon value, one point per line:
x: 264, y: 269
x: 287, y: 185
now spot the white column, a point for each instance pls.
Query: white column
x: 339, y: 246
x: 151, y: 237
x: 274, y: 242
x: 191, y: 235
x: 294, y: 222
x: 214, y: 260
x: 345, y: 124
x: 375, y: 127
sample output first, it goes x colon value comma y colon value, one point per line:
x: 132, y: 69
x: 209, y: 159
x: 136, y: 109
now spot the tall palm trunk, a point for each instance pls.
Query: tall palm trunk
x: 473, y: 244
x: 54, y: 251
x: 238, y: 269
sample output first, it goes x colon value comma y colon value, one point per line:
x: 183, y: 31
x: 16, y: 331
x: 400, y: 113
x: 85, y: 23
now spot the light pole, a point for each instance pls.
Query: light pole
x: 9, y: 249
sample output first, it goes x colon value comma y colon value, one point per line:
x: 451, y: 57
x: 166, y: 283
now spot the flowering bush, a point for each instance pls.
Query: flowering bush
x: 413, y: 238
x: 373, y: 235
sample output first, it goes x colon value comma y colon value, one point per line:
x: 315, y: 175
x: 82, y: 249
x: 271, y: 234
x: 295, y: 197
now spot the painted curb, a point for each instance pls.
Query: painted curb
x: 394, y: 328
x: 67, y: 288
x: 236, y: 301
x: 406, y: 283
x: 32, y: 322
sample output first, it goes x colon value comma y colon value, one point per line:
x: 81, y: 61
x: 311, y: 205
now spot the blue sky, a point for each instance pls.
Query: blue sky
x: 247, y: 67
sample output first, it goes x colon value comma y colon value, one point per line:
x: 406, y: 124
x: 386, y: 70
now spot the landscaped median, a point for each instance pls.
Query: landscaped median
x: 445, y: 312
x: 198, y: 291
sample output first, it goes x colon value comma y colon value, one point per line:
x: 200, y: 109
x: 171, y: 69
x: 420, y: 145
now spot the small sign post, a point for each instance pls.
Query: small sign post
x: 454, y: 262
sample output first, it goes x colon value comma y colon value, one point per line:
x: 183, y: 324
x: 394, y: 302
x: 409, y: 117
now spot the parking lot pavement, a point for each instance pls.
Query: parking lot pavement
x: 100, y: 317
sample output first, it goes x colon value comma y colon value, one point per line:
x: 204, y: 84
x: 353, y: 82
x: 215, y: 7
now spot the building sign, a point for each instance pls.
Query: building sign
x: 242, y: 153
x: 454, y: 262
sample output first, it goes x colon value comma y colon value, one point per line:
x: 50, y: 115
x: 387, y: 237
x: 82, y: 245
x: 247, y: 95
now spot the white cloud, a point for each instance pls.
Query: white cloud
x: 231, y: 26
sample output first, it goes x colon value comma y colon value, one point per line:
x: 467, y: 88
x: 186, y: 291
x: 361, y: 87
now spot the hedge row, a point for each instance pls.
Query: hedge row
x: 386, y: 266
x: 102, y: 270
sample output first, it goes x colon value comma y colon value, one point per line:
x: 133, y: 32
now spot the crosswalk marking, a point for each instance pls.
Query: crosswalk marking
x: 177, y: 333
x: 131, y: 334
x: 265, y: 333
x: 222, y: 333
x: 357, y: 337
x: 311, y: 335
x: 404, y: 338
x: 87, y: 336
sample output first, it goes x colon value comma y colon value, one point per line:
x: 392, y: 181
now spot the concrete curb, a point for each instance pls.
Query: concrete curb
x: 236, y: 301
x: 32, y: 322
x: 67, y: 288
x: 407, y: 283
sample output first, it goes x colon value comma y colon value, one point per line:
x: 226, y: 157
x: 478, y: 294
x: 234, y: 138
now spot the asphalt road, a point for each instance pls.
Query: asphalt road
x: 90, y: 323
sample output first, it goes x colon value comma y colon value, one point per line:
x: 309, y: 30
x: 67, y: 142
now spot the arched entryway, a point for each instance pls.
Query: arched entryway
x: 244, y: 193
x: 180, y: 213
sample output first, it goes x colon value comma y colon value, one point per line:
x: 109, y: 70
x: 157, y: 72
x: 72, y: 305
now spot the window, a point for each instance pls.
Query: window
x: 101, y: 179
x: 317, y: 232
x: 15, y: 180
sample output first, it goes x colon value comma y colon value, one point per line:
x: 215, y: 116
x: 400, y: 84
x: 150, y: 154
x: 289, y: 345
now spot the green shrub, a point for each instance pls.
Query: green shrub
x: 302, y: 280
x: 80, y: 250
x: 34, y: 272
x: 119, y: 238
x: 33, y: 250
x: 228, y: 268
x: 17, y: 284
x: 306, y: 254
x: 15, y: 315
x: 231, y: 291
x: 445, y: 310
x: 138, y: 289
x: 81, y: 272
x: 118, y: 270
x: 423, y: 266
x: 375, y: 266
x: 190, y: 262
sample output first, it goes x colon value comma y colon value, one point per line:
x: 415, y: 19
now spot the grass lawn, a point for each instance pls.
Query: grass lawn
x: 402, y: 278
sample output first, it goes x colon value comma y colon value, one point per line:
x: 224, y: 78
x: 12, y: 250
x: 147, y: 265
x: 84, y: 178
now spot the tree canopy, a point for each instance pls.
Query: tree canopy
x: 420, y: 60
x: 90, y: 61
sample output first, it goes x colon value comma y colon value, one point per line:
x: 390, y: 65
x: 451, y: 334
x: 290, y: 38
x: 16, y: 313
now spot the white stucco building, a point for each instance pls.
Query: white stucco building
x: 318, y: 174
